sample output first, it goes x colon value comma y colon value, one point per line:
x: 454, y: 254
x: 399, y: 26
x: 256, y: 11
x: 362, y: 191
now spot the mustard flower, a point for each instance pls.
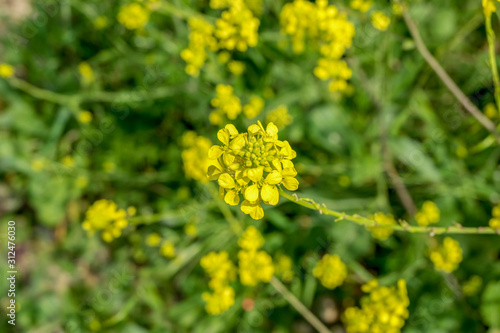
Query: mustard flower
x: 330, y: 271
x: 429, y: 214
x: 447, y: 256
x: 254, y: 107
x: 85, y: 117
x: 279, y: 116
x: 251, y: 239
x: 133, y: 16
x: 254, y: 5
x: 201, y: 38
x: 153, y: 239
x: 255, y: 267
x: 219, y: 301
x: 380, y: 21
x: 236, y: 67
x: 252, y: 164
x: 283, y: 267
x: 382, y: 233
x: 489, y: 7
x: 219, y: 268
x: 86, y: 72
x: 167, y: 249
x: 195, y: 156
x: 495, y: 220
x: 226, y: 103
x: 104, y: 215
x: 385, y: 309
x: 6, y: 70
x: 362, y: 5
x: 237, y: 27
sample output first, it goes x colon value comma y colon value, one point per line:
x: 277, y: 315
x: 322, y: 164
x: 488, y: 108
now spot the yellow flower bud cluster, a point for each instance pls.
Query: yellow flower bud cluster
x: 6, y: 70
x: 384, y: 310
x: 330, y: 271
x: 235, y: 29
x: 254, y: 266
x: 382, y: 233
x: 201, y: 38
x: 133, y: 16
x: 104, y: 215
x: 495, y: 220
x: 221, y: 271
x: 380, y: 21
x: 252, y: 164
x: 283, y: 267
x: 254, y: 107
x: 447, y: 256
x: 472, y: 286
x: 254, y: 5
x: 329, y: 30
x: 362, y: 5
x: 279, y: 116
x: 226, y: 104
x: 195, y: 156
x: 429, y: 214
x: 86, y: 72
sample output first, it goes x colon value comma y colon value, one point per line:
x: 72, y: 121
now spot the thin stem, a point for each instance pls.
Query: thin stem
x: 297, y: 304
x: 42, y: 93
x: 447, y: 80
x: 493, y: 61
x: 403, y: 226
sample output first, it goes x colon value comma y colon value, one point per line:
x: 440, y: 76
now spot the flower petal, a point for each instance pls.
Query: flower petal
x: 273, y: 178
x: 213, y: 172
x: 223, y: 136
x: 254, y: 210
x: 226, y: 181
x: 231, y: 129
x: 252, y: 193
x: 227, y: 158
x: 215, y: 152
x: 237, y: 143
x: 289, y: 173
x: 232, y: 198
x: 253, y: 129
x: 291, y: 183
x: 271, y: 130
x: 270, y: 194
x: 255, y: 174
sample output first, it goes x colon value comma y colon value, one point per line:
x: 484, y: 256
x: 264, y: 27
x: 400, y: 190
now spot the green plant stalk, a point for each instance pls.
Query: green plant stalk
x: 493, y: 61
x: 403, y: 226
x: 297, y: 304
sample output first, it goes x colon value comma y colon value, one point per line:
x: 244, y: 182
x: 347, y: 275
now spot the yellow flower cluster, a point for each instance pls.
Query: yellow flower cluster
x: 489, y: 7
x: 495, y: 220
x: 6, y: 70
x: 254, y: 107
x: 362, y: 5
x: 331, y: 271
x: 221, y: 271
x: 254, y: 266
x: 195, y: 156
x: 382, y: 233
x: 329, y: 30
x: 385, y: 309
x: 86, y: 72
x: 167, y: 249
x: 225, y: 104
x: 133, y: 16
x: 472, y: 286
x: 279, y: 116
x: 236, y: 67
x: 252, y: 164
x: 283, y: 267
x: 429, y: 214
x: 380, y: 21
x: 448, y: 256
x: 105, y: 215
x: 201, y: 38
x: 85, y: 117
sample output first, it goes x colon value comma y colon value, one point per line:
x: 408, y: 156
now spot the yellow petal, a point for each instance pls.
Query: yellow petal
x: 223, y: 136
x: 271, y: 129
x: 254, y: 210
x: 273, y: 178
x: 227, y: 158
x: 213, y: 172
x: 231, y: 130
x: 252, y: 193
x: 226, y: 181
x: 291, y: 184
x: 270, y: 194
x: 287, y: 164
x: 253, y: 129
x: 255, y: 174
x: 237, y: 143
x: 215, y: 152
x: 232, y: 198
x: 289, y: 173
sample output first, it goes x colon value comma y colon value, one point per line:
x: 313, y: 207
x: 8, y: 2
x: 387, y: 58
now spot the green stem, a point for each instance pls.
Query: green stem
x: 493, y: 62
x: 43, y: 94
x: 297, y: 304
x: 403, y: 226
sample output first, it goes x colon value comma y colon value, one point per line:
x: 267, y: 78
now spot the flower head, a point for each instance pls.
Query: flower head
x: 495, y: 220
x: 331, y: 271
x: 195, y: 156
x: 283, y: 267
x: 380, y: 21
x: 429, y: 214
x: 6, y: 70
x: 382, y: 233
x: 133, y: 16
x: 85, y: 117
x: 254, y: 107
x: 489, y: 7
x: 237, y: 28
x: 167, y: 249
x: 255, y: 267
x: 104, y: 215
x: 201, y: 38
x: 86, y: 72
x: 447, y: 256
x: 251, y: 239
x: 362, y: 5
x: 252, y: 164
x: 226, y: 104
x: 279, y: 116
x: 219, y: 301
x: 153, y: 239
x: 219, y: 268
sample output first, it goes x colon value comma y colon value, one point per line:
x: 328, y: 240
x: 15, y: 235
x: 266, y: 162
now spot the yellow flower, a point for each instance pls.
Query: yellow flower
x: 254, y: 107
x: 38, y: 164
x: 382, y: 233
x: 133, y: 16
x: 68, y: 161
x: 362, y: 5
x: 153, y: 239
x: 236, y: 67
x: 219, y: 268
x: 489, y: 7
x: 6, y: 70
x: 448, y: 256
x: 252, y: 164
x: 190, y: 229
x: 283, y: 267
x: 330, y: 271
x: 255, y: 267
x: 237, y: 27
x: 429, y: 214
x: 85, y: 117
x: 385, y: 309
x: 473, y: 286
x: 226, y: 103
x: 101, y: 22
x: 201, y: 38
x: 167, y: 249
x: 104, y: 215
x: 195, y: 156
x: 251, y: 239
x: 219, y: 301
x: 495, y: 220
x: 380, y: 21
x: 86, y: 72
x: 279, y: 116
